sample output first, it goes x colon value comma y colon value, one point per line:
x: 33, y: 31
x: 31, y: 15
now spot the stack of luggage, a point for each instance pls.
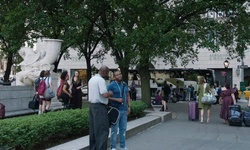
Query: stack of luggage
x: 235, y: 117
x: 246, y: 117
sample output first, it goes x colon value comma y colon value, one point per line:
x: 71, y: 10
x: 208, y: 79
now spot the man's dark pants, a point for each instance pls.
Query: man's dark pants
x: 98, y: 127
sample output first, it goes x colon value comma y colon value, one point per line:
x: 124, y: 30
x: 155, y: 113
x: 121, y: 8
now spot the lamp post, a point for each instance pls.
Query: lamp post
x: 226, y: 64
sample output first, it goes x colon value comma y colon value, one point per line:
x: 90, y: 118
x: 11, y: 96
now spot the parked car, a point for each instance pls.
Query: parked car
x: 85, y: 90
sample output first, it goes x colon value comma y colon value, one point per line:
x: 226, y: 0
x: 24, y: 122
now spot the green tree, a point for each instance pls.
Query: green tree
x: 14, y: 30
x: 175, y: 30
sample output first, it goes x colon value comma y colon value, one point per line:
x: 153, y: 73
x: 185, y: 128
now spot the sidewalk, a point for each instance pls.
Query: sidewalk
x: 133, y: 127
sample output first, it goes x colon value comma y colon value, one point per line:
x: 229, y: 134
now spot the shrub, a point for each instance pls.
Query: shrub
x: 28, y: 131
x: 137, y: 108
x: 25, y: 132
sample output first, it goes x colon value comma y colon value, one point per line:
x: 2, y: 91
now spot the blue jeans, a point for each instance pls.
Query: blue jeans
x: 122, y: 125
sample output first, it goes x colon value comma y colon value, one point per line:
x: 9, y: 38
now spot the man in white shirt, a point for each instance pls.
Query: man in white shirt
x: 98, y: 118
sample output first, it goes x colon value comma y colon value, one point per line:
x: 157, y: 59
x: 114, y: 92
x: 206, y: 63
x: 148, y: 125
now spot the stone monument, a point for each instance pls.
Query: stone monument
x: 34, y: 61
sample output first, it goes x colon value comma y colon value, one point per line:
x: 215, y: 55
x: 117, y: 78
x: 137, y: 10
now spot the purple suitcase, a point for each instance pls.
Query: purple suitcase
x: 193, y: 111
x: 2, y: 111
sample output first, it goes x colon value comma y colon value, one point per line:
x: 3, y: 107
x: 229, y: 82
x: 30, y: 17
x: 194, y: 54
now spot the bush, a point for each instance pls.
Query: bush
x: 25, y: 132
x: 137, y: 108
x: 28, y: 131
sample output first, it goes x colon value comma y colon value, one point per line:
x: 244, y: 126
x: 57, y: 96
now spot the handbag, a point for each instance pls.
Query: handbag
x: 34, y: 103
x: 49, y: 94
x: 113, y: 115
x: 208, y: 99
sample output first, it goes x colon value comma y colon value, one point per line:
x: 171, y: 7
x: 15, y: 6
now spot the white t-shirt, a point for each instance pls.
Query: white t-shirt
x: 97, y: 87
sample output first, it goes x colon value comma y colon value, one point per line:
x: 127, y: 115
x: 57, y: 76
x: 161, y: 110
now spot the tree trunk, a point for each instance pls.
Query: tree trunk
x: 89, y: 69
x: 8, y: 69
x: 124, y: 71
x: 145, y: 85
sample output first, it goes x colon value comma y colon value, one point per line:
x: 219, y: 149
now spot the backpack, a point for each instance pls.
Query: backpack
x: 42, y: 87
x: 37, y: 82
x: 59, y: 90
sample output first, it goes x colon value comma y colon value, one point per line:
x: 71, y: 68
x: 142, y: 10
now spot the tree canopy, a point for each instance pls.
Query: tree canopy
x: 135, y: 32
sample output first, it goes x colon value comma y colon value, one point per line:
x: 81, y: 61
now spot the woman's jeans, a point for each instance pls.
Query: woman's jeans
x: 122, y: 125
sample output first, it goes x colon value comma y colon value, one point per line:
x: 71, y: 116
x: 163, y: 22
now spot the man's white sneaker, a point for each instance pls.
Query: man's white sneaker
x: 113, y: 149
x: 125, y: 148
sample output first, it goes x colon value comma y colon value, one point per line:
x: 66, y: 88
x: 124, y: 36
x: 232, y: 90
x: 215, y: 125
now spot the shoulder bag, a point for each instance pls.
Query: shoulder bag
x: 34, y: 103
x: 48, y: 93
x: 208, y: 98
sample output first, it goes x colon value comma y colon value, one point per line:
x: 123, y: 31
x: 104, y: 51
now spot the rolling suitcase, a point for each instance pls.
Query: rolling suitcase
x: 193, y: 111
x: 2, y: 111
x: 246, y: 118
x: 235, y: 115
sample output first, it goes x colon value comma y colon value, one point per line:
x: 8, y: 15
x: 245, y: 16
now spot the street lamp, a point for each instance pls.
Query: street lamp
x: 226, y: 64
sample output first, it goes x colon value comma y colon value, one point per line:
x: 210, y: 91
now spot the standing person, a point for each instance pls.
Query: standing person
x: 166, y: 91
x: 189, y: 92
x: 66, y: 95
x: 46, y: 103
x: 133, y: 90
x: 37, y: 81
x: 120, y: 100
x: 203, y: 87
x: 76, y: 85
x: 192, y: 98
x: 177, y: 91
x: 98, y: 118
x: 184, y: 93
x: 218, y: 94
x: 227, y: 94
x: 236, y: 92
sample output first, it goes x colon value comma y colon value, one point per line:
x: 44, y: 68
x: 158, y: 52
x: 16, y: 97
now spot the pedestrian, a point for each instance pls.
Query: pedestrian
x: 203, y: 88
x: 166, y: 92
x: 218, y: 94
x: 192, y: 95
x: 65, y: 94
x: 98, y: 118
x: 133, y: 90
x: 189, y: 93
x: 46, y: 103
x: 120, y: 100
x: 228, y: 98
x: 76, y: 91
x: 236, y: 92
x: 36, y: 91
x: 177, y: 91
x: 184, y: 93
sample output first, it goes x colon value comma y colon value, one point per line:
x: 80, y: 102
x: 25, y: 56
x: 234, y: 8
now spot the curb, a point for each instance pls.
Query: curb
x: 133, y: 127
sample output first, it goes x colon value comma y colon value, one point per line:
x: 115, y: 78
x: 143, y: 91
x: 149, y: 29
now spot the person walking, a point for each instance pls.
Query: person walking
x: 76, y: 85
x: 120, y: 100
x: 203, y: 88
x: 98, y: 118
x: 228, y: 98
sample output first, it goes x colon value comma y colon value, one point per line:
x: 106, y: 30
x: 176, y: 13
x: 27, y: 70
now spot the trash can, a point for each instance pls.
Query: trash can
x: 2, y: 111
x: 239, y: 95
x: 246, y: 94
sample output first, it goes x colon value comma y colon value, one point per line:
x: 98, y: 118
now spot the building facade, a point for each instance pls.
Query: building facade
x: 207, y: 59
